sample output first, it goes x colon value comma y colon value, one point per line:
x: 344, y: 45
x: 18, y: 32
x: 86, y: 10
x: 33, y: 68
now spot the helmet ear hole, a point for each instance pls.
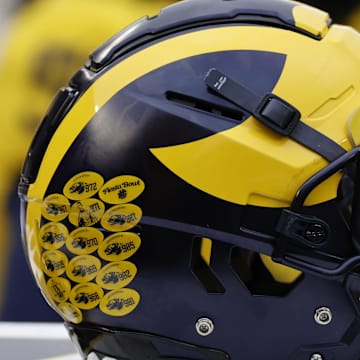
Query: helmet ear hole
x: 260, y: 275
x: 201, y: 268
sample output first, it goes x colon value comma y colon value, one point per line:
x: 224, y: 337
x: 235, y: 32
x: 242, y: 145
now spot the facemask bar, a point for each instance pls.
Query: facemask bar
x: 350, y: 158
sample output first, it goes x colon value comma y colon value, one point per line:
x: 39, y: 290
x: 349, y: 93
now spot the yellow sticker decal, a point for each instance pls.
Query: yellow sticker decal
x: 120, y: 302
x: 70, y: 312
x: 54, y: 262
x: 86, y: 296
x: 116, y: 275
x: 83, y: 268
x: 55, y: 207
x: 84, y: 240
x: 86, y: 212
x: 121, y: 217
x: 45, y: 291
x: 119, y: 246
x: 59, y: 288
x: 121, y: 189
x: 53, y: 235
x: 83, y: 185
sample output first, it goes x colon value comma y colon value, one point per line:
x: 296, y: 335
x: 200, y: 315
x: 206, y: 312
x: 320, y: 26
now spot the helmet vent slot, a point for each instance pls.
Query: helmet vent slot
x: 200, y: 266
x: 195, y: 103
x: 256, y: 276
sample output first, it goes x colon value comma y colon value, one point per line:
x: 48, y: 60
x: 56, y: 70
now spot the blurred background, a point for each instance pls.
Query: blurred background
x: 42, y: 44
x: 341, y: 11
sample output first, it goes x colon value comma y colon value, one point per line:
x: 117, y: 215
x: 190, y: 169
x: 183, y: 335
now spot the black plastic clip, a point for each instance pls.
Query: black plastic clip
x: 277, y: 114
x: 307, y: 230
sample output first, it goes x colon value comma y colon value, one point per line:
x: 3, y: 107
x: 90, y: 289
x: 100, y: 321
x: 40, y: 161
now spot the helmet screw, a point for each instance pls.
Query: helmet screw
x: 316, y: 233
x: 323, y: 315
x: 316, y: 356
x: 204, y: 326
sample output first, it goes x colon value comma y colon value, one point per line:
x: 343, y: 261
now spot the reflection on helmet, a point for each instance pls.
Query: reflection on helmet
x: 198, y: 157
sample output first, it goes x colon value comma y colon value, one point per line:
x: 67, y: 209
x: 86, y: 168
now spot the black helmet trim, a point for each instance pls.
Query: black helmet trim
x: 136, y: 345
x: 187, y: 15
x: 247, y: 238
x: 61, y: 104
x: 275, y: 113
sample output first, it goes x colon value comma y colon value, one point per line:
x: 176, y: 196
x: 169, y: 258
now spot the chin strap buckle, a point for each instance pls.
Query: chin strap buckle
x: 304, y: 229
x: 274, y: 112
x: 277, y: 114
x: 308, y: 231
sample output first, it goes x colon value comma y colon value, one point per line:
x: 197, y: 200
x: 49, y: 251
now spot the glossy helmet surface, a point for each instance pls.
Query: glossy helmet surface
x: 193, y: 193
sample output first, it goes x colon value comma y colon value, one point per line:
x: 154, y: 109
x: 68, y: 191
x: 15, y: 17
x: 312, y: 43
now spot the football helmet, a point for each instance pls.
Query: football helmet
x: 194, y: 192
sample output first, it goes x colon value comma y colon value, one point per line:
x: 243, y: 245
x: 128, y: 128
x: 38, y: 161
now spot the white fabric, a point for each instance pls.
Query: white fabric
x: 36, y: 341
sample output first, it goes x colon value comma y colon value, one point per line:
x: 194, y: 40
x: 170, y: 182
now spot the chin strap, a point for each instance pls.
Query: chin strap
x: 313, y: 232
x: 275, y: 113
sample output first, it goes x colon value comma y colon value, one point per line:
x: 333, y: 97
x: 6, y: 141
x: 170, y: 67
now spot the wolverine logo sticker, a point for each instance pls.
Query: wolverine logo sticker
x: 55, y: 207
x: 54, y: 262
x: 120, y: 302
x: 84, y: 240
x: 116, y: 275
x: 86, y: 296
x: 121, y: 189
x: 119, y: 246
x: 83, y: 268
x: 86, y: 212
x: 52, y: 235
x: 83, y: 185
x: 59, y: 288
x: 70, y: 312
x: 121, y: 217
